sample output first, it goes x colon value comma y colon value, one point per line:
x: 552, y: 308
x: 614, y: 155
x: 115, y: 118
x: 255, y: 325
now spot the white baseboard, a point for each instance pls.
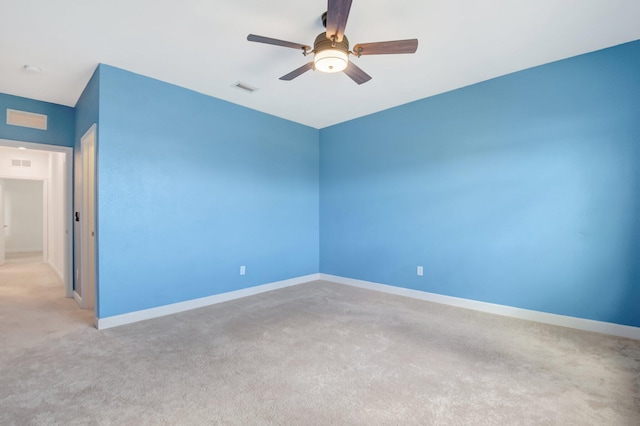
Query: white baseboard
x: 160, y: 311
x: 31, y: 250
x: 77, y: 298
x: 508, y: 311
x: 55, y: 270
x: 68, y: 286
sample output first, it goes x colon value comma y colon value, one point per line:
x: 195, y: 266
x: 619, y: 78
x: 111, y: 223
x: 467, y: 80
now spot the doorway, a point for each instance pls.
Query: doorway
x: 50, y: 167
x: 24, y: 218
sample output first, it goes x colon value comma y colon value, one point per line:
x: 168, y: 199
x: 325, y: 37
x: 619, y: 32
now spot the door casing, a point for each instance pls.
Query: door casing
x: 85, y: 207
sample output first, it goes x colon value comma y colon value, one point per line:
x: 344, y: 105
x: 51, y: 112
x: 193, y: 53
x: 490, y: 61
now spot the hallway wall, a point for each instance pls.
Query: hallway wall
x: 57, y: 222
x: 23, y: 215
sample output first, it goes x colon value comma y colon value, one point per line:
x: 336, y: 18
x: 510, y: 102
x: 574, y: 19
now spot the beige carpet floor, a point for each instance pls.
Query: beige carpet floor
x: 313, y: 354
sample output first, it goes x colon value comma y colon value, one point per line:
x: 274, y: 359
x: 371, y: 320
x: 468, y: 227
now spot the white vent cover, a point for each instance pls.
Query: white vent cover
x: 21, y: 163
x: 245, y: 87
x: 26, y: 119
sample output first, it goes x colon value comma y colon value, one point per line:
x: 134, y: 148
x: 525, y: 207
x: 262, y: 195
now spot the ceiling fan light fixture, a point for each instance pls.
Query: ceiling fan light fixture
x: 331, y: 47
x: 331, y: 60
x: 329, y: 55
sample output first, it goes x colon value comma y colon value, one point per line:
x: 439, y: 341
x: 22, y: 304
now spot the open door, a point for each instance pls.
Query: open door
x: 86, y: 218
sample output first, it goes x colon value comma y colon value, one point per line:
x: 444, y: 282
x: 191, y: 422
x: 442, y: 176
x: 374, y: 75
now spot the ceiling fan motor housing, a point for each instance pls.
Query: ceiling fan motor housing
x: 329, y: 55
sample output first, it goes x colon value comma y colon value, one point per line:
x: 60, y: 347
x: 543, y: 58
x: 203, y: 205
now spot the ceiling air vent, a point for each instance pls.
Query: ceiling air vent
x: 26, y: 119
x: 244, y: 86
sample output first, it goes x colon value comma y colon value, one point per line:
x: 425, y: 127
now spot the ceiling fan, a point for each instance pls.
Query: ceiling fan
x: 331, y: 49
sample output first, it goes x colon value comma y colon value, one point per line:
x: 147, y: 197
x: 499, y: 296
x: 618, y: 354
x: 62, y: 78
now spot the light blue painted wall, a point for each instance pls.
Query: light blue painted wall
x: 87, y: 108
x: 523, y: 190
x: 191, y: 188
x: 60, y: 121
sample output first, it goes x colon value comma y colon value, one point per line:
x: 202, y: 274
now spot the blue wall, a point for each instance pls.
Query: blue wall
x: 523, y: 190
x: 87, y: 108
x: 191, y: 188
x: 60, y: 121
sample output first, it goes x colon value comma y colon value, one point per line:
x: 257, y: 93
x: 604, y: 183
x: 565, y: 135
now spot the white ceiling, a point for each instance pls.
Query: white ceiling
x: 201, y: 45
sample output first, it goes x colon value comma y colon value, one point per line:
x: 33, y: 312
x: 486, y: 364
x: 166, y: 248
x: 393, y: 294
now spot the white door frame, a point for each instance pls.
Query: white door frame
x: 68, y: 204
x: 86, y: 206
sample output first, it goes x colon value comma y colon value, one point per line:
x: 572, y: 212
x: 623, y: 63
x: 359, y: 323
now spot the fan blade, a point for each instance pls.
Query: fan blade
x: 386, y: 47
x: 297, y: 72
x: 337, y: 15
x: 276, y: 42
x: 356, y: 74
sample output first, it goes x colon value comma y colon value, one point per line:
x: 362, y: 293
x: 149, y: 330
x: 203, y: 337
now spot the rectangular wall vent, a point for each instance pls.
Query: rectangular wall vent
x: 21, y: 163
x: 26, y: 119
x: 246, y: 87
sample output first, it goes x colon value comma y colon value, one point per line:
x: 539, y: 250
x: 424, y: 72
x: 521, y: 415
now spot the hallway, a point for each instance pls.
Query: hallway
x: 33, y: 306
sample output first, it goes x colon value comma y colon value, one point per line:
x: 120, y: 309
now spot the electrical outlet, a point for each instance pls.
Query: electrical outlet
x: 242, y: 270
x: 420, y: 271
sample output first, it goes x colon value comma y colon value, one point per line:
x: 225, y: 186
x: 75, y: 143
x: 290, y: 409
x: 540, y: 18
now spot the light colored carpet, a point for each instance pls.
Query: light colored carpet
x: 314, y: 354
x: 33, y: 308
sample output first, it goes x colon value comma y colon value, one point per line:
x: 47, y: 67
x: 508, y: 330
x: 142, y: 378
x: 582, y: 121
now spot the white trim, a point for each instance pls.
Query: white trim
x: 68, y: 223
x: 508, y: 311
x: 45, y: 216
x: 58, y: 274
x: 77, y: 298
x: 160, y: 311
x: 28, y: 250
x: 40, y: 178
x: 34, y: 145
